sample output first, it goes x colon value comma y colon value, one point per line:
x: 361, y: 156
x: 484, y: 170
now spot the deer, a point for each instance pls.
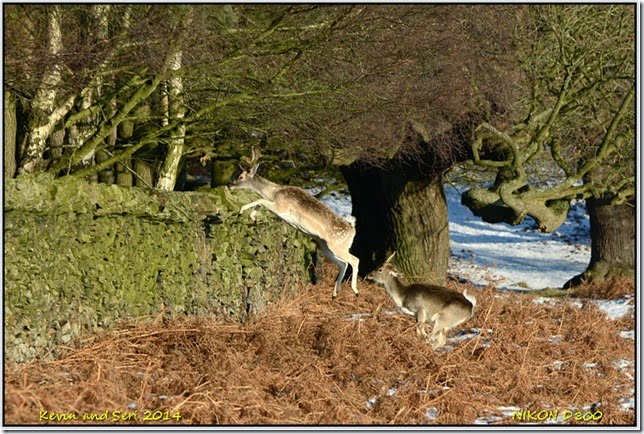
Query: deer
x: 295, y: 206
x: 445, y: 307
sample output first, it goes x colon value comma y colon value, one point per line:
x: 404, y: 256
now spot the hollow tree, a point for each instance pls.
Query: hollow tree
x: 424, y: 76
x: 400, y: 206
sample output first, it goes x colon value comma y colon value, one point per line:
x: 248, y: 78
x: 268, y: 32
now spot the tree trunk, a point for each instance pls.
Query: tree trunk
x: 145, y: 174
x: 612, y: 233
x: 124, y: 177
x: 175, y: 110
x: 176, y: 144
x: 106, y: 176
x: 10, y: 133
x: 56, y: 143
x: 101, y: 14
x: 400, y: 208
x: 222, y: 171
x: 45, y: 113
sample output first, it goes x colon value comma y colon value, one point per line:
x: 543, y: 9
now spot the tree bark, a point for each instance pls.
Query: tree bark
x: 401, y: 208
x: 176, y: 110
x: 124, y: 177
x: 145, y: 178
x: 10, y: 134
x: 170, y: 169
x: 45, y: 113
x: 101, y: 15
x: 612, y: 233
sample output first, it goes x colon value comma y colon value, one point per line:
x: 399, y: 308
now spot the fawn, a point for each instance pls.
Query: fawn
x: 445, y: 307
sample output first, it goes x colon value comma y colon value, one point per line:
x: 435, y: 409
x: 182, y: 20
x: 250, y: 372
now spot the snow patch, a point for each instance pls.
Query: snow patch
x: 513, y: 258
x: 616, y: 309
x: 371, y: 402
x: 626, y: 404
x: 431, y: 413
x: 357, y: 316
x: 516, y: 257
x: 487, y: 420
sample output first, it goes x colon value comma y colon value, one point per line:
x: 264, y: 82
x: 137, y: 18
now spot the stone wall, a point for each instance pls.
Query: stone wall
x: 80, y: 257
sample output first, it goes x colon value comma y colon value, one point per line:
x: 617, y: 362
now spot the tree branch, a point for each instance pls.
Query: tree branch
x: 90, y: 145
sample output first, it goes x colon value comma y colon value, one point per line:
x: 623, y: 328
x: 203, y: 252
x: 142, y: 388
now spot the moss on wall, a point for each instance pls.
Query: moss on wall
x: 80, y: 257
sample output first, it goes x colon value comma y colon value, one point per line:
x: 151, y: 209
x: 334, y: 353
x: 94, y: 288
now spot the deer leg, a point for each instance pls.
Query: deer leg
x: 440, y: 326
x: 349, y: 259
x: 435, y: 329
x: 421, y: 317
x: 341, y: 264
x: 343, y: 269
x: 354, y: 261
x: 440, y: 341
x: 250, y: 205
x: 256, y: 203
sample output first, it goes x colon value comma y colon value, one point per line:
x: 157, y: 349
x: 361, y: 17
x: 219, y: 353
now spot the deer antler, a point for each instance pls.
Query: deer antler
x: 390, y: 258
x: 255, y: 154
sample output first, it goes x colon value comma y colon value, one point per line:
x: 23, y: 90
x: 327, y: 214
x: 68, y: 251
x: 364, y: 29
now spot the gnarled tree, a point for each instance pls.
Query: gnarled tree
x: 575, y: 125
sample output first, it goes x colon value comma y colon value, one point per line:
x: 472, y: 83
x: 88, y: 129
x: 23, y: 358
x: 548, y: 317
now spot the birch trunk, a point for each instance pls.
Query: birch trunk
x: 44, y: 112
x: 170, y: 169
x: 176, y: 111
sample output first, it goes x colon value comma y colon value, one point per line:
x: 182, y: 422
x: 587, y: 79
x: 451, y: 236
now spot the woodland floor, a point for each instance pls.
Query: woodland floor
x: 353, y: 361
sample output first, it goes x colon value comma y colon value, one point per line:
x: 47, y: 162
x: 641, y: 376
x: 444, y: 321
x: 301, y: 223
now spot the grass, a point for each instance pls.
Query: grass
x: 353, y: 361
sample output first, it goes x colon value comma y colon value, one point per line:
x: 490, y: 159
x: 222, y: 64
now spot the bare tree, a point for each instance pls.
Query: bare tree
x: 575, y: 123
x: 46, y: 110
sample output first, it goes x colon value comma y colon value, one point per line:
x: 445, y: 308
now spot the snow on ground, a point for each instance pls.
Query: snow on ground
x: 614, y: 309
x: 514, y: 258
x: 510, y: 257
x: 617, y: 308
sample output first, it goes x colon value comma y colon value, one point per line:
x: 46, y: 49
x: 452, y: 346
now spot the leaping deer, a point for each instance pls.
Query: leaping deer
x: 332, y: 233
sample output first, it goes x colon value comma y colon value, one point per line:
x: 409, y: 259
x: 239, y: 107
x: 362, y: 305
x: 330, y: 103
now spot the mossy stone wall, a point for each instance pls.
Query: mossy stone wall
x: 80, y: 257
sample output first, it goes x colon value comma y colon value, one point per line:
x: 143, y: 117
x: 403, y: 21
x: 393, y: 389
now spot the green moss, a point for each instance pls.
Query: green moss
x: 81, y: 257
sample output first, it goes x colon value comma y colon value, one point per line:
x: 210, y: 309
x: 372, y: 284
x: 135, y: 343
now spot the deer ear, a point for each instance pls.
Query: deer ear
x: 253, y: 169
x: 396, y: 273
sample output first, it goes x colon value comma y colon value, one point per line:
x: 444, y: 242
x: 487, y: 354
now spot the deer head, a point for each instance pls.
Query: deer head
x: 249, y: 169
x: 386, y: 269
